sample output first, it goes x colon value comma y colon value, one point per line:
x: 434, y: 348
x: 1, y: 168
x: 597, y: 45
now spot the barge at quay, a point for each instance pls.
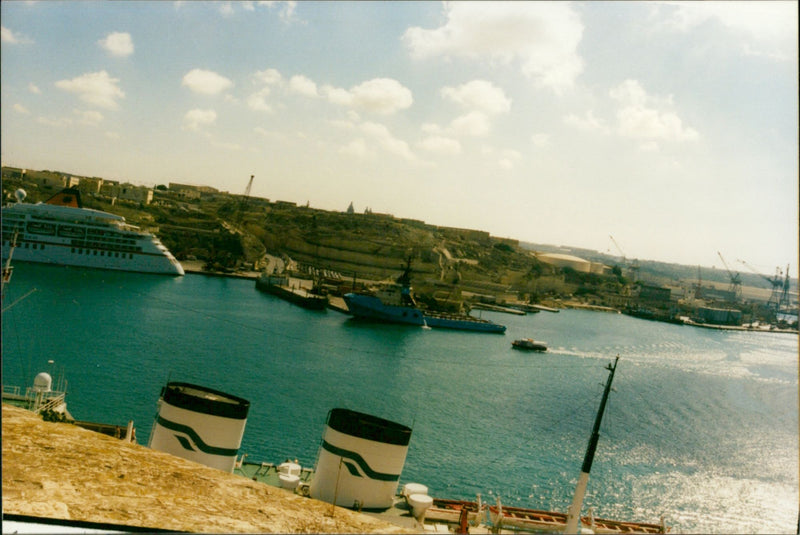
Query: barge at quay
x: 280, y: 286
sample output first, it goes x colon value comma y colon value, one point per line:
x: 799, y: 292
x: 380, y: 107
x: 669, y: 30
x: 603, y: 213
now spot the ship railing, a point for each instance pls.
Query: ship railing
x: 52, y: 402
x: 42, y: 401
x: 9, y: 389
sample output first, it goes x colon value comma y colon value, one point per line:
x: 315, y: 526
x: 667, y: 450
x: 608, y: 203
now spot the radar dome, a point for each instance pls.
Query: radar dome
x: 42, y: 382
x: 20, y: 194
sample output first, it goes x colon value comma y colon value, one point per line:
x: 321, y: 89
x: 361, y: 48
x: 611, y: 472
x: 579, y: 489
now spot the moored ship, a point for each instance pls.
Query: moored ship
x: 61, y: 231
x: 394, y: 303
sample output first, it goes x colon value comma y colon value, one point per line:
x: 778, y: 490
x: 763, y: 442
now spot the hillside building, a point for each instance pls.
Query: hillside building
x: 573, y: 262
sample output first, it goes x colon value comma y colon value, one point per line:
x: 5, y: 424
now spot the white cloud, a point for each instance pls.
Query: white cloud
x: 79, y: 117
x: 474, y: 124
x: 195, y: 119
x: 586, y: 123
x: 479, y: 94
x: 205, y: 82
x: 763, y: 28
x: 258, y: 100
x: 432, y: 129
x: 226, y: 9
x: 540, y: 140
x: 386, y: 140
x: 7, y: 36
x: 336, y: 95
x: 441, y: 145
x: 286, y: 11
x: 269, y: 77
x: 12, y: 38
x: 345, y: 124
x: 96, y: 88
x: 643, y: 117
x: 383, y: 96
x: 542, y: 36
x: 303, y: 85
x: 357, y: 148
x: 504, y: 158
x: 117, y: 44
x: 34, y: 89
x: 19, y: 108
x: 227, y: 145
x: 88, y: 117
x: 56, y: 122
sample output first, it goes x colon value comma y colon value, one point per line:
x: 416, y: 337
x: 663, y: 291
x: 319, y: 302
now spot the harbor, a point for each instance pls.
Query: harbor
x: 486, y: 419
x: 400, y: 267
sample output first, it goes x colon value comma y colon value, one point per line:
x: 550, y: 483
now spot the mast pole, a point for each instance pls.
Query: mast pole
x: 573, y: 516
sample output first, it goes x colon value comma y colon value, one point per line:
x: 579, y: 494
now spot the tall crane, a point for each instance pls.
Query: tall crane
x: 698, y: 291
x: 777, y: 283
x: 245, y: 198
x: 634, y: 266
x: 735, y: 288
x: 787, y: 282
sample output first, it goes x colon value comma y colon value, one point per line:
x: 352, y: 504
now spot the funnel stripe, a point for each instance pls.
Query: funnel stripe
x: 359, y: 460
x: 202, y: 446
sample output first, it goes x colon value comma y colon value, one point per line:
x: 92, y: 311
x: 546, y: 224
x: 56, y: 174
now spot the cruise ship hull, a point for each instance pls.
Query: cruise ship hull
x: 64, y: 255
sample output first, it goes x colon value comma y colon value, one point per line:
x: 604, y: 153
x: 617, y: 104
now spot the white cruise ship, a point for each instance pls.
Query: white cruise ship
x: 61, y: 231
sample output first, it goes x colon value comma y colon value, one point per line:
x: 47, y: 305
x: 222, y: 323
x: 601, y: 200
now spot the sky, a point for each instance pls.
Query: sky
x: 671, y: 126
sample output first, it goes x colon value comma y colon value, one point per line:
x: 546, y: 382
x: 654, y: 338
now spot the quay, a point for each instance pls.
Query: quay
x: 197, y: 267
x: 496, y: 308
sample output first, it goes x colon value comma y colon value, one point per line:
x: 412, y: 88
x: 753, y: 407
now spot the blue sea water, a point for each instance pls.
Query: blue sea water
x: 702, y: 425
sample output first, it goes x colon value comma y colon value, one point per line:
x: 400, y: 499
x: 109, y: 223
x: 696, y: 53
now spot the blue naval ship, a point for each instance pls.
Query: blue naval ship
x: 394, y: 303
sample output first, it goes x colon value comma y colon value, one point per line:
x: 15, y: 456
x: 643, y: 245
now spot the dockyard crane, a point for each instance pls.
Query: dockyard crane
x: 621, y: 252
x: 698, y: 291
x: 245, y: 198
x: 736, y: 280
x: 777, y: 282
x: 633, y: 267
x: 784, y: 302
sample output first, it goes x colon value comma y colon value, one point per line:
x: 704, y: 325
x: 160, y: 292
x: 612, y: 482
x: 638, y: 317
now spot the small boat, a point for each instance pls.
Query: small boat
x: 529, y: 520
x: 451, y: 511
x: 604, y: 525
x: 529, y: 344
x: 537, y: 521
